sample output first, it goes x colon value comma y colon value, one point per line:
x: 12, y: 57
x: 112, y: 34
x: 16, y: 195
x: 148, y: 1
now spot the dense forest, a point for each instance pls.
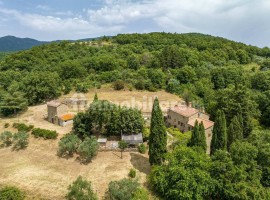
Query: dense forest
x: 213, y: 72
x: 230, y: 80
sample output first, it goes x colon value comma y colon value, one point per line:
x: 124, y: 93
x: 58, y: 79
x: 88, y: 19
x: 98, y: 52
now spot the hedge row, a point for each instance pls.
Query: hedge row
x: 23, y: 127
x: 46, y: 134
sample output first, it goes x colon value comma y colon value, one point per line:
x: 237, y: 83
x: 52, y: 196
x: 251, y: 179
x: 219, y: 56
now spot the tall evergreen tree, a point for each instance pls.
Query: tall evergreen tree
x: 235, y: 131
x: 198, y: 136
x: 158, y: 136
x: 202, y: 138
x: 219, y: 139
x: 194, y: 135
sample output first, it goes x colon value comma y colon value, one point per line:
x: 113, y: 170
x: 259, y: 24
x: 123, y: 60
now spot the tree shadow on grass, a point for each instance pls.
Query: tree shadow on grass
x: 18, y: 147
x: 64, y: 156
x: 140, y: 163
x: 116, y: 154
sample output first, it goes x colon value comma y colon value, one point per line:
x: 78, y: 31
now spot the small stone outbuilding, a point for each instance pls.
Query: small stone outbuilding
x: 58, y: 113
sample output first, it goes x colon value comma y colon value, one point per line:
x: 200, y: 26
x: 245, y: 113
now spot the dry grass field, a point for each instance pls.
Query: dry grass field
x: 35, y: 115
x: 43, y: 175
x: 143, y: 100
x: 38, y: 171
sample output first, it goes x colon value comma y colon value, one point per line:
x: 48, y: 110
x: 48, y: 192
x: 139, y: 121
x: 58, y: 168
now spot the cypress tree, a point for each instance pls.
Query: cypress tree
x: 158, y: 136
x: 198, y: 136
x: 235, y: 131
x: 194, y: 135
x: 219, y: 139
x: 202, y: 138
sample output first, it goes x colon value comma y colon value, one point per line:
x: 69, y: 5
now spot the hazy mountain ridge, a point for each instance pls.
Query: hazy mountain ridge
x: 12, y: 43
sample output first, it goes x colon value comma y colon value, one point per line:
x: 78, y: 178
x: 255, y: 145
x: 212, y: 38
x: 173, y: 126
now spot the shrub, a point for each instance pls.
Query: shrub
x: 132, y: 173
x: 46, y: 134
x: 81, y: 190
x: 11, y: 193
x: 124, y: 189
x: 88, y: 149
x: 119, y: 85
x: 139, y: 85
x: 82, y: 87
x: 142, y: 148
x: 141, y: 194
x: 23, y: 127
x: 68, y: 145
x: 20, y: 140
x: 6, y: 125
x: 6, y: 138
x: 146, y: 133
x: 130, y: 88
x: 152, y: 89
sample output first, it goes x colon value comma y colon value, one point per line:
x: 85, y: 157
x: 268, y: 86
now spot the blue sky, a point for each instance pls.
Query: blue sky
x: 240, y: 20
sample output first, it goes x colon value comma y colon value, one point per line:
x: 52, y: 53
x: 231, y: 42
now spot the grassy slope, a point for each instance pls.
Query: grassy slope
x: 38, y: 170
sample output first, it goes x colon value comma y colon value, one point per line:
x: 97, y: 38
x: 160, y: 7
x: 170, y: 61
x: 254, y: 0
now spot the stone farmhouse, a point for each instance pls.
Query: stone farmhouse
x: 58, y: 113
x: 184, y: 117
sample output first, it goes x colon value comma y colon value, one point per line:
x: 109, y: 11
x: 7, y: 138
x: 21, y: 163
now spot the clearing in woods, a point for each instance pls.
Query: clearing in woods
x: 43, y: 175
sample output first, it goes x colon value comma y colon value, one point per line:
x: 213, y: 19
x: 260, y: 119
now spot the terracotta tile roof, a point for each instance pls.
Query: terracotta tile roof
x: 53, y: 104
x: 206, y: 123
x: 67, y: 117
x: 184, y: 110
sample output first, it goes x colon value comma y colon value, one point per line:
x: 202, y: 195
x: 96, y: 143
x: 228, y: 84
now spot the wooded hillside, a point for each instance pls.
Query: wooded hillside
x: 214, y: 72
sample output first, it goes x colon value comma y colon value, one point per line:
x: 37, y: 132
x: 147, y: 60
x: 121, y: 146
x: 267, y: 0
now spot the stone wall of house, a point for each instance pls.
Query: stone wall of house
x: 52, y: 112
x: 65, y: 123
x: 181, y: 122
x: 177, y: 121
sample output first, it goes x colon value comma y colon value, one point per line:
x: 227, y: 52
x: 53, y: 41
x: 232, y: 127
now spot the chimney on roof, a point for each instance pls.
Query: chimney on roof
x: 202, y: 110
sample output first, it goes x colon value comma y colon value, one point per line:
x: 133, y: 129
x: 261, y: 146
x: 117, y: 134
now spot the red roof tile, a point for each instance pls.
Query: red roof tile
x: 67, y: 117
x: 206, y: 123
x: 184, y: 110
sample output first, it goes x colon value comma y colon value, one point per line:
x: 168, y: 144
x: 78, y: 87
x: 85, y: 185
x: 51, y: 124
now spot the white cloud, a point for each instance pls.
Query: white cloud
x: 52, y: 24
x: 242, y: 20
x: 172, y: 13
x: 235, y: 19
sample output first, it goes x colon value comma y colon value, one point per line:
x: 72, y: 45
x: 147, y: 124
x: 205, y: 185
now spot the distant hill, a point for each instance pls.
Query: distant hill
x: 11, y: 43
